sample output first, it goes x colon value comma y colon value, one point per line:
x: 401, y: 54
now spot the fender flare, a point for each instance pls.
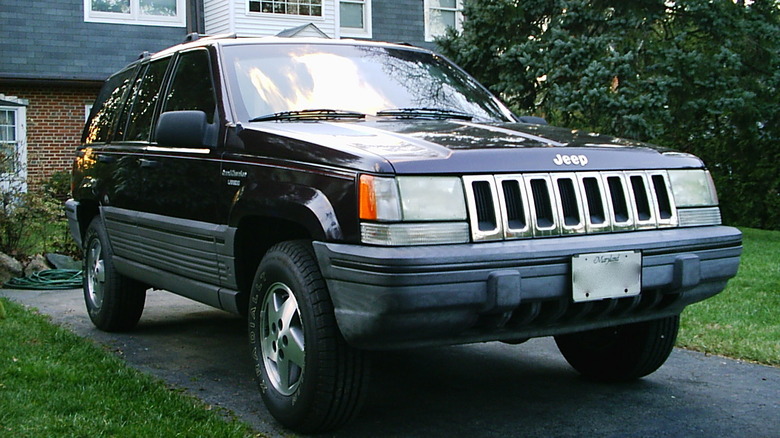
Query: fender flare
x: 304, y: 205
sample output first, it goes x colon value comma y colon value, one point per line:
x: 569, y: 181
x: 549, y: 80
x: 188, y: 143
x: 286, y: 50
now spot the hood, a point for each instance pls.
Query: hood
x: 454, y: 147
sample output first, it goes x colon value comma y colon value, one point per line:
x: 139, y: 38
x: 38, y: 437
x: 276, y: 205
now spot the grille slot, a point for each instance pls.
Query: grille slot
x: 554, y: 204
x: 515, y: 210
x: 569, y: 202
x: 542, y: 204
x: 617, y: 193
x: 486, y: 217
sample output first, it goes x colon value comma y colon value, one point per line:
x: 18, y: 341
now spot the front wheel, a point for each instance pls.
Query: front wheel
x: 310, y: 379
x: 620, y: 353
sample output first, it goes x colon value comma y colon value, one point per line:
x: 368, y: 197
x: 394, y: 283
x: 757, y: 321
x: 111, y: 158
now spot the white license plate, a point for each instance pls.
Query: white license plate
x: 605, y: 275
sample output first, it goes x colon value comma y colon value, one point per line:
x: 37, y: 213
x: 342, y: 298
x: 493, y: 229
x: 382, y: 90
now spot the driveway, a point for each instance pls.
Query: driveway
x: 481, y: 390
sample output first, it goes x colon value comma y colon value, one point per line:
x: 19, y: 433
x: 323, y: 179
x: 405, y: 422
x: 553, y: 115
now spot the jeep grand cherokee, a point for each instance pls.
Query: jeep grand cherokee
x: 351, y: 196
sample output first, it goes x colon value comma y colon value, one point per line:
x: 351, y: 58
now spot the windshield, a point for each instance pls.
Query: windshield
x: 270, y: 79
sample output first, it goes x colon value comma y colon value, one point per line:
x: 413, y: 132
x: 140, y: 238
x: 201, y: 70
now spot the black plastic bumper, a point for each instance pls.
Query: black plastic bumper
x: 414, y: 296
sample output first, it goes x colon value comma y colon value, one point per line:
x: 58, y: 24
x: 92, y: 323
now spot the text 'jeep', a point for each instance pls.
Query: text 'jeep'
x: 350, y: 196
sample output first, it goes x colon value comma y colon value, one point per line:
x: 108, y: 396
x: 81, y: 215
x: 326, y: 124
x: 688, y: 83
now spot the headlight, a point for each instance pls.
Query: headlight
x: 693, y: 188
x: 431, y: 210
x: 432, y: 198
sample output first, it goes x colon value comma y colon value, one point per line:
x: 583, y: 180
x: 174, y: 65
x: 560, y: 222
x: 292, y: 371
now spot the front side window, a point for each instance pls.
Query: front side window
x: 192, y: 87
x: 312, y: 8
x: 441, y: 15
x: 268, y: 79
x: 355, y: 18
x: 143, y: 12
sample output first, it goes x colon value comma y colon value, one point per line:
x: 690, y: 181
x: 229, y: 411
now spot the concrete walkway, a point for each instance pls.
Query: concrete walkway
x: 482, y: 390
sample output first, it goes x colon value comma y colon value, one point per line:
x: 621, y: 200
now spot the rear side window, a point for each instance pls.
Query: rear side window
x: 192, y: 87
x: 144, y: 99
x: 99, y: 128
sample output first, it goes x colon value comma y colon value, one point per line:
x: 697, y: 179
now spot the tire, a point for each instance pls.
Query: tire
x: 310, y: 379
x: 622, y: 353
x: 114, y: 302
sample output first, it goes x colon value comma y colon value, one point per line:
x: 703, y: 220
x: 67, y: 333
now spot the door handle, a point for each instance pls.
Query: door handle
x: 148, y: 164
x: 107, y: 159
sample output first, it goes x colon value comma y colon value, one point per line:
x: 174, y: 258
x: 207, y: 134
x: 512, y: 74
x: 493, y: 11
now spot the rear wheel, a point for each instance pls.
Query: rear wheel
x: 114, y: 302
x: 621, y: 353
x: 310, y: 379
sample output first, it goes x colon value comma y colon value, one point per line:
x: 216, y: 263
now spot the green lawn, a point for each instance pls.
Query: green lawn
x: 742, y: 322
x: 56, y: 384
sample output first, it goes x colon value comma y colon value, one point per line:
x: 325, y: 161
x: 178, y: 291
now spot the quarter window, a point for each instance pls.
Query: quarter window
x: 289, y: 7
x: 142, y: 12
x: 441, y: 15
x: 99, y: 128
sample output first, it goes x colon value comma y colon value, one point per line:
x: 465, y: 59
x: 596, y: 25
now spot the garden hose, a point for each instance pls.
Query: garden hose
x: 51, y: 279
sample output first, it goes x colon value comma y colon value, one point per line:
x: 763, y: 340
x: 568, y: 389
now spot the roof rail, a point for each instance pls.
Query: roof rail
x: 196, y: 36
x: 145, y: 54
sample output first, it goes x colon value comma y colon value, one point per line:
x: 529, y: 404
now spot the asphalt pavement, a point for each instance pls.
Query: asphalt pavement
x: 480, y: 390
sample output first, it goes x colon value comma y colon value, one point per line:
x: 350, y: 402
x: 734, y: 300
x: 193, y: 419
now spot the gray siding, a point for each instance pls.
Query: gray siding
x: 51, y: 40
x: 399, y: 21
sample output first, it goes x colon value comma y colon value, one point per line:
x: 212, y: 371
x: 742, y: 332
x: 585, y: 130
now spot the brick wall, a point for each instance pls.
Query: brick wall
x: 55, y: 118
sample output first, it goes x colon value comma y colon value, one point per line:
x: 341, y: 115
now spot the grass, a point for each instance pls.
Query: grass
x: 742, y: 322
x: 54, y: 383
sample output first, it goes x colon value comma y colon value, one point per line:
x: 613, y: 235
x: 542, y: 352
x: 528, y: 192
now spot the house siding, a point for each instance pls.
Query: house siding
x: 400, y: 21
x: 52, y: 41
x: 234, y: 16
x: 55, y: 119
x: 217, y: 17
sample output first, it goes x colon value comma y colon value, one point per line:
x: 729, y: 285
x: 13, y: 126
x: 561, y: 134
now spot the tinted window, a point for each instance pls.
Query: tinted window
x: 266, y: 79
x: 146, y: 92
x: 108, y: 103
x: 192, y: 88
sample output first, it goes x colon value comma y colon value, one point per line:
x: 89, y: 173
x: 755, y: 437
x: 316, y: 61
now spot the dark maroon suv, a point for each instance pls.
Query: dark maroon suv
x: 351, y: 196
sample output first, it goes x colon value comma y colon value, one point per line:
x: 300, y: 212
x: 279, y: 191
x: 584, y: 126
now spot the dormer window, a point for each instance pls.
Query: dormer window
x: 312, y: 8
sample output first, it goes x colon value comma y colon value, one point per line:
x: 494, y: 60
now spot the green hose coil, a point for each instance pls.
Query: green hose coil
x: 52, y: 279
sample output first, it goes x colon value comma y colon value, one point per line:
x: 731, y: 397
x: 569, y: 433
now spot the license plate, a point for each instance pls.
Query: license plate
x: 605, y: 275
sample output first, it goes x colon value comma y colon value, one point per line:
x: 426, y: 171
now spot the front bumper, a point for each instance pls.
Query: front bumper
x: 434, y: 295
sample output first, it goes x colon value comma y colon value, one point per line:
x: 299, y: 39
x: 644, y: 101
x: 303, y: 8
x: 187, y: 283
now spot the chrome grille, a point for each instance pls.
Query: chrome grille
x: 555, y: 204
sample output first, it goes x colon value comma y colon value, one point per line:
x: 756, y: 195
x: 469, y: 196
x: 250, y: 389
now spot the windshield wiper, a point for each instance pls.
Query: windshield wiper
x: 424, y: 113
x: 310, y: 114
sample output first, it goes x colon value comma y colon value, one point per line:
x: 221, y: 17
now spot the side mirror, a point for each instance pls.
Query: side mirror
x: 183, y: 129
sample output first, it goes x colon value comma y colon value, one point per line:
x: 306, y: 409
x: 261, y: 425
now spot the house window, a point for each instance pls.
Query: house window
x: 13, y: 147
x: 142, y: 12
x: 311, y: 8
x: 355, y: 18
x: 440, y: 15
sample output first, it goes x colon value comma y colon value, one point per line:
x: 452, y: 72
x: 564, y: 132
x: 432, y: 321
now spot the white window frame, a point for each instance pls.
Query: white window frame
x: 306, y: 18
x: 366, y: 30
x: 17, y: 180
x: 135, y: 17
x: 428, y: 6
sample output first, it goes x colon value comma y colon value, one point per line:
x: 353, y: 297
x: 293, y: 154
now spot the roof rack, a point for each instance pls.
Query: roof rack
x: 145, y: 54
x: 194, y: 36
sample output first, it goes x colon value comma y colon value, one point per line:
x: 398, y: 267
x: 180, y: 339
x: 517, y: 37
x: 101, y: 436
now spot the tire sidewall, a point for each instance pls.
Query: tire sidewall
x: 279, y: 268
x: 98, y: 315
